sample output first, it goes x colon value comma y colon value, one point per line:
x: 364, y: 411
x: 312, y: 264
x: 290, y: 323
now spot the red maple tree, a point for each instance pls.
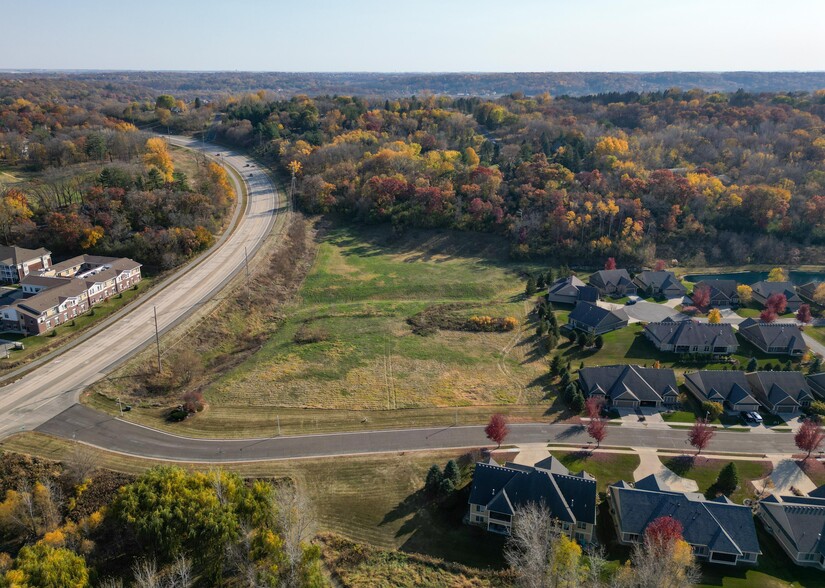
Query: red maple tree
x: 593, y: 407
x: 700, y: 435
x: 497, y: 429
x: 597, y: 429
x: 610, y: 264
x: 777, y: 303
x: 809, y: 437
x: 660, y: 265
x: 701, y: 297
x: 662, y: 532
x: 803, y: 315
x: 767, y: 316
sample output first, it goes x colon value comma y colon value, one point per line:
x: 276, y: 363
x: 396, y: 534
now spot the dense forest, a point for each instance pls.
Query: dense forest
x: 78, y: 176
x: 700, y: 177
x: 286, y: 84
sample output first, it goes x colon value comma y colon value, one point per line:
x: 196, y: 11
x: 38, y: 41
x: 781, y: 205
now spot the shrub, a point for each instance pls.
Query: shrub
x: 509, y: 323
x: 818, y: 407
x: 713, y: 409
x: 193, y: 401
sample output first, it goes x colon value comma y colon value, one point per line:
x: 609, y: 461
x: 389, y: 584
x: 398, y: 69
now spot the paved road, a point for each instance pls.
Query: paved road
x: 51, y: 388
x: 105, y: 431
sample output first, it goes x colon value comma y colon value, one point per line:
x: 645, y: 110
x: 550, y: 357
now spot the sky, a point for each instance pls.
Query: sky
x: 414, y: 35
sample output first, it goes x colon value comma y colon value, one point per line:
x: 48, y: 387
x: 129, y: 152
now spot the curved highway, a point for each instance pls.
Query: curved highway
x: 51, y: 388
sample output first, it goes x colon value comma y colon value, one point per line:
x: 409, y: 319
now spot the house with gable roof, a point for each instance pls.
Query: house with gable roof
x: 614, y: 283
x: 717, y: 530
x: 723, y: 293
x: 498, y: 491
x: 781, y: 392
x: 773, y: 338
x: 18, y: 262
x: 571, y: 290
x: 690, y: 336
x: 729, y: 388
x: 764, y: 290
x: 630, y: 386
x: 592, y: 318
x: 661, y: 284
x: 798, y: 525
x: 808, y: 291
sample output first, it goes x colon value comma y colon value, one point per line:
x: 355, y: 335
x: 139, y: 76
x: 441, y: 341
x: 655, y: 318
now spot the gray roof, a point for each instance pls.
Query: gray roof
x: 616, y: 277
x: 89, y: 262
x: 51, y: 297
x: 765, y: 289
x: 767, y: 335
x: 569, y: 497
x: 691, y: 333
x: 720, y: 288
x: 720, y: 525
x: 594, y: 315
x: 44, y: 281
x: 721, y: 385
x: 801, y: 517
x: 628, y: 381
x: 573, y: 286
x: 807, y: 290
x: 661, y: 280
x: 13, y: 255
x: 817, y: 382
x: 780, y: 388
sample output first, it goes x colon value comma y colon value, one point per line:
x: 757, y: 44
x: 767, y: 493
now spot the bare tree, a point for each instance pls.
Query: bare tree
x: 296, y: 522
x: 146, y: 574
x: 179, y: 575
x: 111, y: 583
x: 82, y: 465
x: 529, y: 547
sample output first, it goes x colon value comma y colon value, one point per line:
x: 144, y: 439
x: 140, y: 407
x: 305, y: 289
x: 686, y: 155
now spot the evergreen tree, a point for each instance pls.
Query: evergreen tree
x: 752, y: 364
x: 577, y: 405
x: 728, y: 479
x: 446, y: 487
x: 548, y: 277
x: 530, y: 288
x: 581, y: 339
x: 599, y: 341
x: 555, y: 365
x: 433, y: 481
x: 816, y: 365
x: 565, y: 378
x: 452, y: 473
x: 540, y: 281
x: 569, y: 392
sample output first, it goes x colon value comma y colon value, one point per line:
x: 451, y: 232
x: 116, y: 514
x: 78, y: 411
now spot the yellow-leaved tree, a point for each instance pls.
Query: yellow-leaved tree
x: 157, y: 156
x: 714, y: 316
x: 745, y: 293
x: 777, y: 274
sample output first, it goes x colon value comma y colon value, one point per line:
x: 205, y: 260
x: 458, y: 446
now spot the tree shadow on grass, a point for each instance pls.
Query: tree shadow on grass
x: 680, y: 465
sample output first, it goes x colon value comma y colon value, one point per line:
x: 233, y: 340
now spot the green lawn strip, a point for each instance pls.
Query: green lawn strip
x: 238, y: 421
x: 607, y: 468
x: 705, y: 471
x: 817, y: 333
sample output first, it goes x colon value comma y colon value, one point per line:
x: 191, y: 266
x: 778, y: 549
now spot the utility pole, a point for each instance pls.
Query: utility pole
x: 157, y: 337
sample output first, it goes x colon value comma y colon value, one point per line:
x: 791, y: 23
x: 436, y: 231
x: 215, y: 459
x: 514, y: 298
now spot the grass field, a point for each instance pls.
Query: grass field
x: 704, y: 471
x: 356, y: 349
x: 607, y: 468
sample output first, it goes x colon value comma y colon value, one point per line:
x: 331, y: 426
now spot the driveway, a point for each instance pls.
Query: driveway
x: 649, y: 463
x: 650, y: 312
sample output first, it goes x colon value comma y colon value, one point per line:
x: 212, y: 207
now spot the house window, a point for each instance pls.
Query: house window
x: 632, y: 537
x: 581, y: 525
x: 809, y: 556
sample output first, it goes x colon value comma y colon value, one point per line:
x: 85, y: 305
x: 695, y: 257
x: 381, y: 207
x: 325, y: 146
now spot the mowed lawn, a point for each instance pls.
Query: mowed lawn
x: 347, y: 343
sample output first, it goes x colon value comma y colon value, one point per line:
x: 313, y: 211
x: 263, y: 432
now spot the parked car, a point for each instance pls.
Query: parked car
x: 757, y: 418
x: 751, y: 417
x: 631, y: 302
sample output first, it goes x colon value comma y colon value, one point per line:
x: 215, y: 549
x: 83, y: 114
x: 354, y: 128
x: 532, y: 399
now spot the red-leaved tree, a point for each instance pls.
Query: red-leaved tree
x: 660, y: 265
x: 663, y: 532
x: 701, y: 297
x: 700, y: 435
x: 803, y: 315
x: 777, y: 303
x: 593, y: 406
x: 610, y: 264
x: 497, y: 429
x: 767, y: 315
x: 809, y: 437
x: 597, y: 429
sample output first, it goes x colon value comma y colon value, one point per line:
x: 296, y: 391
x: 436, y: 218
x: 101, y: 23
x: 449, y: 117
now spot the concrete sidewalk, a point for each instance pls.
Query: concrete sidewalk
x: 649, y: 463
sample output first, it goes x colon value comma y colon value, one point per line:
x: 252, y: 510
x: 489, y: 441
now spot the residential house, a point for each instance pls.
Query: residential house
x: 806, y: 291
x: 717, y: 530
x: 592, y: 318
x: 571, y: 290
x: 773, y: 338
x: 730, y: 388
x: 723, y: 293
x: 798, y: 524
x: 613, y: 283
x: 499, y: 491
x: 17, y: 262
x: 62, y: 292
x: 689, y: 336
x: 630, y: 386
x: 817, y: 383
x: 764, y: 290
x: 781, y: 392
x: 661, y: 284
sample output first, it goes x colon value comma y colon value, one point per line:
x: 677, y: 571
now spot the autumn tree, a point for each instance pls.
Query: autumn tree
x: 745, y: 294
x: 157, y: 156
x: 778, y: 303
x: 714, y: 316
x: 713, y: 410
x: 45, y: 566
x: 777, y: 274
x: 803, y: 315
x: 700, y: 435
x: 663, y: 559
x: 597, y: 429
x: 660, y: 265
x: 768, y: 315
x: 809, y: 437
x: 701, y: 296
x: 497, y: 429
x: 610, y: 264
x: 819, y: 294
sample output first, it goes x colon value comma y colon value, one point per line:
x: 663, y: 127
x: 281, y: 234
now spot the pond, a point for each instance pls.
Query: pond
x: 751, y: 277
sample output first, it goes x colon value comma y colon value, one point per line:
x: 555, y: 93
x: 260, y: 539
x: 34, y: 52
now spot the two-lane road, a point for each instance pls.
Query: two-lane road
x: 51, y: 388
